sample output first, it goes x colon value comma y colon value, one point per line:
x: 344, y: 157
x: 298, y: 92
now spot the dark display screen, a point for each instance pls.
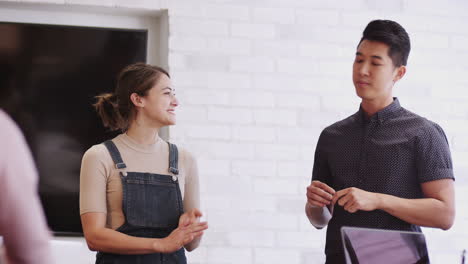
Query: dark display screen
x: 49, y: 77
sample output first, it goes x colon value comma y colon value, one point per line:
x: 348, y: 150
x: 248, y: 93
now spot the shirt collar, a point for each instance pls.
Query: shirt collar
x: 388, y: 112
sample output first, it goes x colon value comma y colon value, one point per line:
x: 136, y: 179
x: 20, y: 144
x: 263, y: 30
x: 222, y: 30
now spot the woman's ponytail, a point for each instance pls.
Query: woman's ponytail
x: 107, y: 108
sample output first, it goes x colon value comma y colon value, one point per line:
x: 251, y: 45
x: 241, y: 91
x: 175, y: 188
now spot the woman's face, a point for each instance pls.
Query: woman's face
x: 158, y: 106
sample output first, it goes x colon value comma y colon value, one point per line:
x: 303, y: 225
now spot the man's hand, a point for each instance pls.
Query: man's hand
x: 354, y: 199
x: 319, y: 194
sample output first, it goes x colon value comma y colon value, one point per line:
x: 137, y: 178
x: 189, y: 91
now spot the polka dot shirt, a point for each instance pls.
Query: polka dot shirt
x: 392, y: 152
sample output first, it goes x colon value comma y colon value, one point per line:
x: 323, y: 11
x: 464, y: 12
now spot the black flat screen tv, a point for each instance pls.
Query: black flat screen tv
x: 50, y: 75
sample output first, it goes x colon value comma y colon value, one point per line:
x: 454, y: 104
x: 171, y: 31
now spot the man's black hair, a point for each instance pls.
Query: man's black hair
x: 392, y: 34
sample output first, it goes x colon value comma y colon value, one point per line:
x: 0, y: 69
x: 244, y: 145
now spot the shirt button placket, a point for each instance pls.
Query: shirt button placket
x: 363, y: 163
x: 362, y: 166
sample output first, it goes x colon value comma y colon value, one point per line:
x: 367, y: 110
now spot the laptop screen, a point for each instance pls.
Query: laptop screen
x: 363, y: 245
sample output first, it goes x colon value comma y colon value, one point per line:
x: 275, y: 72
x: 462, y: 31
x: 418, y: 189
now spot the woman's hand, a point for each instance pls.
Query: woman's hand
x: 192, y: 216
x: 185, y: 233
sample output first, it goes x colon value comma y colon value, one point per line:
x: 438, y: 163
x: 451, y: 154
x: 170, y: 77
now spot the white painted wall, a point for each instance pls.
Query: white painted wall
x: 259, y: 79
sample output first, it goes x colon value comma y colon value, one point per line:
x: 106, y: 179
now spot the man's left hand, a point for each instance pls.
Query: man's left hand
x: 354, y: 199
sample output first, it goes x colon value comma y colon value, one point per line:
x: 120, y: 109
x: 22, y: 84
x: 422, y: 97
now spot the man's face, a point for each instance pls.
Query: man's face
x: 373, y: 71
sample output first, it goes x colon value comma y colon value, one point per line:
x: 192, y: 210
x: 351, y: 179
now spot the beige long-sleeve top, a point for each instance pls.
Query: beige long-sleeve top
x: 101, y: 186
x: 22, y: 222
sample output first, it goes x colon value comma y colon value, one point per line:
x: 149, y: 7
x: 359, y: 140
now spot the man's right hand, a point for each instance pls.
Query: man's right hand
x: 319, y: 194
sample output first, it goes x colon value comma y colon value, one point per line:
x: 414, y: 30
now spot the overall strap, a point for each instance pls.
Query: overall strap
x: 115, y: 154
x: 173, y: 159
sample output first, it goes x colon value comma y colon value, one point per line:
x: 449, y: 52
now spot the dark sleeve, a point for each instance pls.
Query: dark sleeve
x: 433, y: 159
x: 321, y: 170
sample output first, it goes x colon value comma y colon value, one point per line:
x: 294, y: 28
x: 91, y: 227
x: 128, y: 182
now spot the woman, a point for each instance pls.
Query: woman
x: 139, y: 194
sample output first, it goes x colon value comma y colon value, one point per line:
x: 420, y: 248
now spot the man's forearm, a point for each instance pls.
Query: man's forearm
x: 318, y: 216
x: 428, y: 212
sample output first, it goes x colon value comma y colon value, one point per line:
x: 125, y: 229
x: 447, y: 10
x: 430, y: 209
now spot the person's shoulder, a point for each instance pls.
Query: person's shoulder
x: 10, y: 129
x: 186, y: 158
x: 188, y: 163
x: 15, y: 149
x: 97, y: 152
x: 415, y: 119
x: 420, y: 126
x: 340, y: 125
x: 418, y: 120
x: 14, y: 143
x: 185, y: 155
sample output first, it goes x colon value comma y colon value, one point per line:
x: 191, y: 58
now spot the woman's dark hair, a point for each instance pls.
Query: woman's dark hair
x: 116, y: 109
x: 392, y: 34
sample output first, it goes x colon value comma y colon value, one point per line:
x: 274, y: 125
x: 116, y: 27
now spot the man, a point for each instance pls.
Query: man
x: 383, y: 167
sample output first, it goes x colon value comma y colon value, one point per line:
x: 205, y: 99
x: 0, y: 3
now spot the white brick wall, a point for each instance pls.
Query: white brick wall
x: 196, y: 27
x: 274, y: 15
x: 276, y: 256
x: 315, y: 17
x: 252, y: 64
x: 258, y: 81
x: 254, y: 31
x: 230, y: 115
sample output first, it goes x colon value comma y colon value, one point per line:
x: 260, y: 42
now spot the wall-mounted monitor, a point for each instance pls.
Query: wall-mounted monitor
x: 50, y: 75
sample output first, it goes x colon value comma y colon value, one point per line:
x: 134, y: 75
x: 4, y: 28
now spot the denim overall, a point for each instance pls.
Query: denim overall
x: 152, y: 205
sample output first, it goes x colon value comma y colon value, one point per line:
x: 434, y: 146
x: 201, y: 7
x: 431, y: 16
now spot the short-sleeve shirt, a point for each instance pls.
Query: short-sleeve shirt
x: 391, y: 152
